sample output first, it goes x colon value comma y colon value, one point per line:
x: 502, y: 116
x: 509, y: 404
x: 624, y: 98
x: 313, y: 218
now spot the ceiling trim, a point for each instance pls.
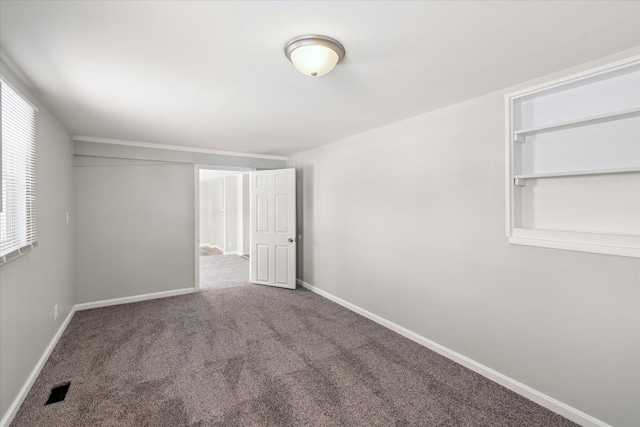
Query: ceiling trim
x: 172, y: 147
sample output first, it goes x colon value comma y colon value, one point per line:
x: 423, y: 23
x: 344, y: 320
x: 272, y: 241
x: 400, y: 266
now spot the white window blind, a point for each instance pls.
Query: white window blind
x: 18, y: 192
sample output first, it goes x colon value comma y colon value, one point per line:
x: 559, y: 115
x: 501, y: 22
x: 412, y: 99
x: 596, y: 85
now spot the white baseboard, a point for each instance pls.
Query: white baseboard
x: 232, y: 253
x: 15, y: 405
x: 541, y: 399
x: 24, y: 391
x: 516, y: 386
x: 135, y: 298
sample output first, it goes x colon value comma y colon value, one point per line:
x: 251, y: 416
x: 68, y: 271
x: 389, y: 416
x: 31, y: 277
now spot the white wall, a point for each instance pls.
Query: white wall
x: 221, y: 210
x: 31, y: 285
x: 134, y: 228
x: 218, y: 240
x: 240, y: 216
x: 245, y: 213
x: 230, y: 213
x: 408, y: 222
x: 212, y: 208
x: 207, y: 212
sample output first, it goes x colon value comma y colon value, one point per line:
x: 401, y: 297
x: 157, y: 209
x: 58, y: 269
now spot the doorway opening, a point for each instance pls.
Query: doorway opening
x: 222, y: 218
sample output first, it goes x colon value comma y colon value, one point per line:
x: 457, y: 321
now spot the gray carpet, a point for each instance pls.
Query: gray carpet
x: 254, y: 356
x: 220, y: 271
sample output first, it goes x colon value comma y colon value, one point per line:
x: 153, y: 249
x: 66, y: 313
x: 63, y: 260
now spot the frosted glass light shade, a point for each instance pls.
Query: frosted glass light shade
x: 314, y: 55
x: 313, y: 60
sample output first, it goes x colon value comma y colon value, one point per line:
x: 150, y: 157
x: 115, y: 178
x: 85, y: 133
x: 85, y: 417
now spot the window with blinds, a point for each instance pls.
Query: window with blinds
x: 18, y: 190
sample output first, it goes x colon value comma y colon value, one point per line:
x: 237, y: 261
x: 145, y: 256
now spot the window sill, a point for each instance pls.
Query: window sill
x: 17, y: 253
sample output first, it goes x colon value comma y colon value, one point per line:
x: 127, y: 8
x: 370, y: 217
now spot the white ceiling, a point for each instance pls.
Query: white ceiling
x: 213, y: 74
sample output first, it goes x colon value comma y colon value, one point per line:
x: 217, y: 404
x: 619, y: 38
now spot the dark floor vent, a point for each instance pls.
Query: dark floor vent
x: 58, y: 393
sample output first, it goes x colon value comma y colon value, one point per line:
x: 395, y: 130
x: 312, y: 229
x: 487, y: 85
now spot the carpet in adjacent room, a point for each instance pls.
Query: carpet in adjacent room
x: 220, y: 271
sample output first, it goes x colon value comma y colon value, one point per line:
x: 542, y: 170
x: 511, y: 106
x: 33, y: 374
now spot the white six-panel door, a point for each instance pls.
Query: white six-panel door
x: 272, y: 228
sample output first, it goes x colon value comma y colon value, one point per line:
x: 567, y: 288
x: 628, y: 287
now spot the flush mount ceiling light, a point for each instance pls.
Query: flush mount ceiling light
x: 314, y: 55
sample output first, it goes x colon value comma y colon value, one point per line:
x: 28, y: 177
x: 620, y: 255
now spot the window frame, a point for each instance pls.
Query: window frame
x: 24, y: 181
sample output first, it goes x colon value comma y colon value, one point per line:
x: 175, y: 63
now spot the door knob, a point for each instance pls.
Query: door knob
x: 291, y: 240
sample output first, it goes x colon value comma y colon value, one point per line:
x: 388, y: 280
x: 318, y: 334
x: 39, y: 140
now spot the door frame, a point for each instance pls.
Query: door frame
x: 196, y: 196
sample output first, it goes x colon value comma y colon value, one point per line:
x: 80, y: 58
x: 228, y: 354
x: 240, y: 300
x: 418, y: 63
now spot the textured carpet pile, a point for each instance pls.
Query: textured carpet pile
x: 251, y: 356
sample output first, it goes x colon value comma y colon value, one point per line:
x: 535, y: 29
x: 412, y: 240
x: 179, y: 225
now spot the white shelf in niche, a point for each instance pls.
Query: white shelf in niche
x: 610, y: 244
x: 578, y: 173
x: 598, y: 158
x: 520, y: 135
